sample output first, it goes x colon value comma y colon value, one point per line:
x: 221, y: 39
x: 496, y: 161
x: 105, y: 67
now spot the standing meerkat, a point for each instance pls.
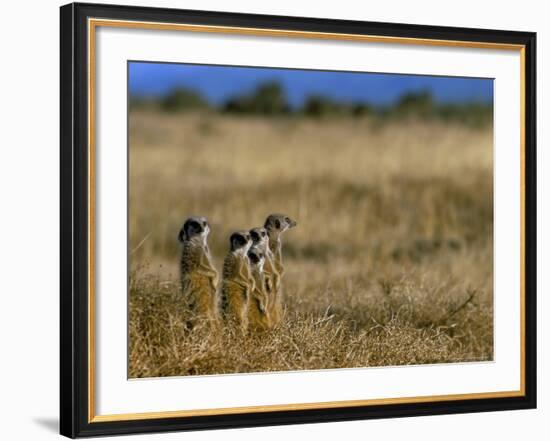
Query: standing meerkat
x: 198, y: 276
x: 258, y: 314
x: 276, y: 225
x: 237, y: 282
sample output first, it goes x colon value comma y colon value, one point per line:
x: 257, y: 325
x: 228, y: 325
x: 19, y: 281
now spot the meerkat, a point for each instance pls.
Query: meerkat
x: 276, y: 225
x: 198, y: 276
x: 258, y: 314
x: 237, y: 282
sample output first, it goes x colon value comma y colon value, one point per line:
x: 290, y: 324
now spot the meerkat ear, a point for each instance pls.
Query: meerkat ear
x: 181, y: 235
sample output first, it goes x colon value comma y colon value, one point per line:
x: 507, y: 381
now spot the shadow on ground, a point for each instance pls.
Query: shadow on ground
x: 51, y: 424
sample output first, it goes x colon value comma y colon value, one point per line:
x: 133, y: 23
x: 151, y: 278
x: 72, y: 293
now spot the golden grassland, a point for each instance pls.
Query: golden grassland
x: 391, y: 262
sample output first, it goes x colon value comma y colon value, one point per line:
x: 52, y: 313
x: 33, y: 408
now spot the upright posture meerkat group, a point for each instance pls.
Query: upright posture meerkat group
x: 249, y: 296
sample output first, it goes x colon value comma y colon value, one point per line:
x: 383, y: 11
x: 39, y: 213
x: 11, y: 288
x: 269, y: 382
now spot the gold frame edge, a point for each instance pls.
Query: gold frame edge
x: 92, y: 24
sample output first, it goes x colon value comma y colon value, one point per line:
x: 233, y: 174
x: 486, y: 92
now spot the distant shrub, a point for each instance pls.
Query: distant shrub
x: 268, y: 99
x: 318, y: 106
x: 321, y: 106
x: 137, y: 102
x: 419, y: 104
x: 180, y: 100
x: 422, y: 105
x: 473, y: 114
x: 361, y: 109
x: 237, y: 105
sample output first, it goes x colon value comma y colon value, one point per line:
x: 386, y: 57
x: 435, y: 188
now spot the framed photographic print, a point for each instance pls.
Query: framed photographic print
x: 273, y: 220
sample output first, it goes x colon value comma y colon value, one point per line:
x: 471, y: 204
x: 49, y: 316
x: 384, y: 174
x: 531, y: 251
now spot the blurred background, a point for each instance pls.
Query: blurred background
x: 266, y: 91
x: 389, y: 177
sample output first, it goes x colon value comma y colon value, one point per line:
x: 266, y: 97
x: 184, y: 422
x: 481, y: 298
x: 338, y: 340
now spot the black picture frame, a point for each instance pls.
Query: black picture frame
x: 74, y: 325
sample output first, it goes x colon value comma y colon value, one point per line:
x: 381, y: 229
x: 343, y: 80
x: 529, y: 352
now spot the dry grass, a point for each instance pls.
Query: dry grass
x: 391, y: 263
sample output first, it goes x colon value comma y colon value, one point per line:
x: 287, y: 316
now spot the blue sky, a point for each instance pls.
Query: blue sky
x: 218, y: 83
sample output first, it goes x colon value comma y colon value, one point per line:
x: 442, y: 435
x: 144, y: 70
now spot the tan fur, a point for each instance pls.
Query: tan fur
x: 272, y: 285
x: 276, y: 299
x: 272, y: 275
x: 258, y: 308
x: 199, y: 281
x: 236, y: 288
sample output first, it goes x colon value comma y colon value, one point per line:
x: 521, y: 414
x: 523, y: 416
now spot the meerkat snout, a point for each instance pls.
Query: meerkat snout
x: 290, y: 222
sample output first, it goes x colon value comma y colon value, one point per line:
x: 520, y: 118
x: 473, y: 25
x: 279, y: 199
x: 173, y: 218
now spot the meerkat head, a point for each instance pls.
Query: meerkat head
x: 259, y: 237
x: 240, y: 242
x: 257, y: 258
x: 276, y: 224
x: 194, y: 229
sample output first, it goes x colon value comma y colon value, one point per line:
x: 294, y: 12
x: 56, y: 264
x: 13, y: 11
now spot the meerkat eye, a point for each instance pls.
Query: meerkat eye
x: 237, y: 241
x: 193, y: 227
x: 277, y: 223
x: 263, y: 233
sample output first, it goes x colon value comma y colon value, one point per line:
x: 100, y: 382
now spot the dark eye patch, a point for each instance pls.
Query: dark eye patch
x: 277, y: 223
x: 255, y: 236
x: 191, y: 228
x: 237, y: 240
